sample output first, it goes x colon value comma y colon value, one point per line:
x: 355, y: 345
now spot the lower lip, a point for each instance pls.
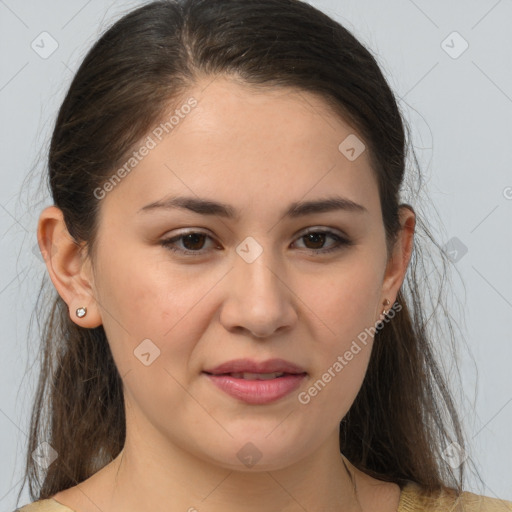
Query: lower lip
x: 257, y: 391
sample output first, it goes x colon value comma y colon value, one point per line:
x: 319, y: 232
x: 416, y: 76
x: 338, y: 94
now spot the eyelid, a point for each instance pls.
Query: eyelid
x: 298, y: 234
x: 324, y: 229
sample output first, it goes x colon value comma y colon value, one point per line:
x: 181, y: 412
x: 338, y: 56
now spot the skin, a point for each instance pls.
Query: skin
x: 257, y: 151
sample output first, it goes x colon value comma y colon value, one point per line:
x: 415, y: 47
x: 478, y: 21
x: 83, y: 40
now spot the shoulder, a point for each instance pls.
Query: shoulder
x: 49, y: 505
x: 413, y: 498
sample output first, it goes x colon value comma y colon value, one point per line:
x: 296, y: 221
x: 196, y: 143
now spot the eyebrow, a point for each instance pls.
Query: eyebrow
x: 295, y: 210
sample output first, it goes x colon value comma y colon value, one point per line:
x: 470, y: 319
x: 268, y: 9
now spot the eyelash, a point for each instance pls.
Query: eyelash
x: 341, y: 242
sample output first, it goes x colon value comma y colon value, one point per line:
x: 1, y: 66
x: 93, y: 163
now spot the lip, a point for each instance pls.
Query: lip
x: 252, y: 366
x: 257, y: 391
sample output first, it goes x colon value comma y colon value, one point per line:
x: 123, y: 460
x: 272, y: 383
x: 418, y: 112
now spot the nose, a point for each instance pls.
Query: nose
x: 258, y: 298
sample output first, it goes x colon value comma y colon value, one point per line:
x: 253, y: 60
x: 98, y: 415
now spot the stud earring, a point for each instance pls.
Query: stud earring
x: 386, y: 303
x: 81, y: 312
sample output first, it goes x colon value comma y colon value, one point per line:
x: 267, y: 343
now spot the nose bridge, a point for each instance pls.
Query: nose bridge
x: 257, y: 299
x: 256, y: 266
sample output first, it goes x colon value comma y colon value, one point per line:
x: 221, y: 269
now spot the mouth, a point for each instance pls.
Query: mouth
x: 256, y: 388
x: 271, y: 368
x: 254, y: 376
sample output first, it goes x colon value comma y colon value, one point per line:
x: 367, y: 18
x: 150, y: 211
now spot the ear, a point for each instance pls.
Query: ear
x: 70, y: 273
x: 399, y: 260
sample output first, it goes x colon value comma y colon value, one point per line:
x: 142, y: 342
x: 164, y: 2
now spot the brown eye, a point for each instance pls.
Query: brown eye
x: 314, y: 241
x: 317, y: 239
x: 193, y: 243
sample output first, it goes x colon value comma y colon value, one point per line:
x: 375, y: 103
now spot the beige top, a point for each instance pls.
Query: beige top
x: 410, y: 501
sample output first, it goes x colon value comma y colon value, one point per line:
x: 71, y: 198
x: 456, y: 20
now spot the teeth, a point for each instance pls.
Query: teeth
x: 256, y: 376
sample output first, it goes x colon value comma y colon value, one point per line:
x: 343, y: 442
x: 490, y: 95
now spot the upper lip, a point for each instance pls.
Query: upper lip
x: 251, y: 366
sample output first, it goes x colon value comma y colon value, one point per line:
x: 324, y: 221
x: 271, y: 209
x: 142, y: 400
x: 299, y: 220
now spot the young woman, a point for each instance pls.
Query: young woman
x: 232, y: 327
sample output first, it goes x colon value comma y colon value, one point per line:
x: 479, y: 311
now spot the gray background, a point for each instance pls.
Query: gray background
x: 459, y: 106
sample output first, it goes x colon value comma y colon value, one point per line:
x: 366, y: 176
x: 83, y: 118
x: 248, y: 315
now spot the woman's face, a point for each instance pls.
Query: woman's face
x: 252, y: 286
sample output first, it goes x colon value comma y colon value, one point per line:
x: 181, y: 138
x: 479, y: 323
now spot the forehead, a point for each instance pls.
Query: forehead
x: 249, y: 147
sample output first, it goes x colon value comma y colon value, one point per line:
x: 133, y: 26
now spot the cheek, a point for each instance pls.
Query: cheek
x: 158, y: 302
x: 342, y: 300
x: 161, y: 307
x: 342, y: 307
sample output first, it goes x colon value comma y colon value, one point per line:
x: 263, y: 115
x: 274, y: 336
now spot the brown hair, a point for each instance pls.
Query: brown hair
x: 404, y: 416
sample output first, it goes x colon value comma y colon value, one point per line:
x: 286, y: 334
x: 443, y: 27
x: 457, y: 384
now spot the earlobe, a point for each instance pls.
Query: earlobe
x: 64, y: 262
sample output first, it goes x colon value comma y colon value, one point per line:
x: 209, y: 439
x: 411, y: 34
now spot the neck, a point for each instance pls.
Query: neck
x: 168, y: 478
